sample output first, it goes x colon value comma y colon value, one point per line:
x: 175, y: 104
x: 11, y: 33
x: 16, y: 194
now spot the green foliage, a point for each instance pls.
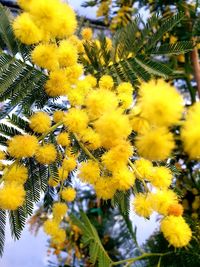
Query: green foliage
x: 90, y: 238
x: 2, y: 230
x: 140, y: 50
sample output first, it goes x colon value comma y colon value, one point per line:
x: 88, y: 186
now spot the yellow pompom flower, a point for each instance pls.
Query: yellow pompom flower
x: 125, y: 100
x: 191, y: 131
x: 175, y: 209
x: 40, y: 122
x: 113, y: 127
x: 91, y: 80
x: 50, y: 227
x: 90, y: 138
x: 76, y: 120
x: 45, y: 56
x: 76, y: 98
x: 117, y: 156
x: 17, y: 173
x: 26, y: 30
x: 124, y: 178
x: 105, y: 188
x: 139, y: 124
x: 160, y: 103
x: 59, y: 237
x: 162, y: 200
x: 46, y: 13
x: 77, y: 43
x: 46, y: 154
x: 125, y: 88
x: 57, y: 85
x: 22, y: 146
x: 58, y: 116
x: 143, y: 168
x: 89, y: 171
x: 73, y: 73
x: 68, y: 194
x: 87, y: 34
x: 59, y: 210
x: 69, y: 164
x: 67, y: 23
x: 2, y: 155
x: 155, y: 144
x: 100, y: 101
x: 106, y: 82
x: 63, y: 139
x: 12, y: 196
x: 176, y: 231
x: 142, y: 205
x: 67, y: 54
x: 161, y: 177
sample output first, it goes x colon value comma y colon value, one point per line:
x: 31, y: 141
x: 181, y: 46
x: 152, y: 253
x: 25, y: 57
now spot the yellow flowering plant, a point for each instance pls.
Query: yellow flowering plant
x: 119, y: 132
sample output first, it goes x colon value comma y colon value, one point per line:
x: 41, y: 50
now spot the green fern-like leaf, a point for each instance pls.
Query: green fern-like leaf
x: 90, y: 238
x: 2, y: 230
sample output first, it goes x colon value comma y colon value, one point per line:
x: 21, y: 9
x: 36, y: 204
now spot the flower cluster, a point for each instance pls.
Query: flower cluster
x: 123, y: 140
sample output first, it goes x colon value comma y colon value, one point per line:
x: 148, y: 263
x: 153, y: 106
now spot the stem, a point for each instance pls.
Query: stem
x: 145, y: 255
x: 52, y: 129
x: 87, y: 152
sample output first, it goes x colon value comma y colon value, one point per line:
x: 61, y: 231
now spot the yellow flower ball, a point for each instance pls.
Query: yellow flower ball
x: 100, y: 101
x: 50, y: 227
x: 176, y: 231
x: 191, y: 131
x: 142, y: 205
x: 22, y: 146
x: 90, y: 138
x: 106, y: 82
x: 143, y: 168
x: 161, y: 200
x: 155, y: 144
x: 69, y: 164
x: 26, y: 30
x: 117, y: 157
x: 89, y: 171
x: 124, y: 178
x: 57, y: 85
x: 67, y: 54
x: 63, y: 139
x: 45, y: 56
x: 105, y: 188
x: 68, y: 194
x: 40, y: 122
x: 73, y: 73
x: 91, y: 80
x: 46, y: 154
x: 16, y: 173
x: 113, y: 127
x: 125, y: 87
x: 76, y: 120
x: 58, y: 116
x: 160, y: 103
x: 59, y: 210
x: 12, y: 196
x: 59, y: 237
x: 87, y: 34
x: 161, y: 177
